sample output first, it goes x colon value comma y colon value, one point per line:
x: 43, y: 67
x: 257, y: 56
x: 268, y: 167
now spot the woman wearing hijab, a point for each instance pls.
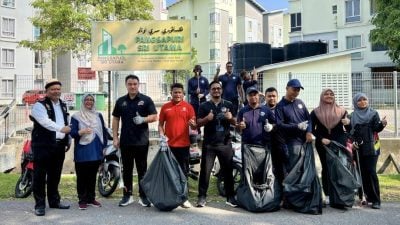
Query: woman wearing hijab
x: 328, y: 121
x: 89, y: 132
x: 365, y: 122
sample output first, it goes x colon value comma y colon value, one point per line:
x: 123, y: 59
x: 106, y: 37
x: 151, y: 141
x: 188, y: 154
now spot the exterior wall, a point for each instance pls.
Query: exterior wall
x: 159, y: 9
x: 199, y: 13
x: 324, y: 25
x: 23, y: 58
x: 273, y: 25
x: 247, y: 13
x: 333, y: 72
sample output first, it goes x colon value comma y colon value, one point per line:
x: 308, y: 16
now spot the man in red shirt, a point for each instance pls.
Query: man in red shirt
x: 175, y: 119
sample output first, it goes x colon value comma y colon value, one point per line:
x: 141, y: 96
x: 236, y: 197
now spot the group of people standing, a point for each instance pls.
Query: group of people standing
x: 283, y: 126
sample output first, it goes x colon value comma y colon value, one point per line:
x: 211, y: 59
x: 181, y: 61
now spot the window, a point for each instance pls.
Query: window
x: 295, y: 22
x: 353, y: 11
x: 372, y: 7
x: 38, y: 59
x: 214, y: 36
x: 249, y: 26
x: 214, y: 54
x: 195, y: 35
x: 335, y: 44
x: 7, y: 88
x: 378, y: 47
x: 334, y: 9
x: 354, y: 42
x: 8, y: 27
x: 7, y: 58
x: 36, y: 32
x: 214, y: 18
x: 8, y: 3
x: 195, y: 17
x: 230, y: 20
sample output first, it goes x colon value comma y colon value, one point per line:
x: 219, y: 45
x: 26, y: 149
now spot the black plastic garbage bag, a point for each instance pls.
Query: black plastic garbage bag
x: 164, y: 184
x: 258, y: 190
x: 302, y: 189
x: 343, y: 175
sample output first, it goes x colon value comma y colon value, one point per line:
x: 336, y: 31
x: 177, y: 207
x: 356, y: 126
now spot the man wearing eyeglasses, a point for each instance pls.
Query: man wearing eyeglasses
x: 216, y: 117
x: 232, y: 86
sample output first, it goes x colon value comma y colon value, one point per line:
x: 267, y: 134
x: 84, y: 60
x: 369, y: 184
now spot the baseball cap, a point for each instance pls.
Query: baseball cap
x: 251, y: 90
x: 52, y: 82
x: 294, y: 83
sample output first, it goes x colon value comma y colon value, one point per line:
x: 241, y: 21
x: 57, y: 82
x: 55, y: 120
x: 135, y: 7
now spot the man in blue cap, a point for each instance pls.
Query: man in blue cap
x: 293, y: 118
x: 255, y: 120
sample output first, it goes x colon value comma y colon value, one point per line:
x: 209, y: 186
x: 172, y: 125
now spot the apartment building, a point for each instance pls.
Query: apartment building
x: 274, y: 30
x: 344, y: 25
x: 14, y: 60
x: 217, y: 25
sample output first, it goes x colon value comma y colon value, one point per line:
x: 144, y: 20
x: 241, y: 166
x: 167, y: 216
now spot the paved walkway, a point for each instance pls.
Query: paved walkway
x: 21, y: 212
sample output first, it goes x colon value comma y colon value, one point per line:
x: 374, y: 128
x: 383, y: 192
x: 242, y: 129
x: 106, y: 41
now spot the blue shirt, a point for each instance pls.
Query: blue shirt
x: 288, y: 116
x: 249, y: 83
x: 254, y: 132
x: 229, y: 85
x: 193, y: 84
x: 90, y: 152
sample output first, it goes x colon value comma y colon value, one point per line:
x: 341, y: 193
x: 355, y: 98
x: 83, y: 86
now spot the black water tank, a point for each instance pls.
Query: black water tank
x: 245, y: 56
x: 277, y: 55
x: 301, y: 49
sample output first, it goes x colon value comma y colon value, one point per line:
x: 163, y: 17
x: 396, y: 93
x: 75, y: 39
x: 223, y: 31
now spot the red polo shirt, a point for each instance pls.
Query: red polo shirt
x: 176, y: 117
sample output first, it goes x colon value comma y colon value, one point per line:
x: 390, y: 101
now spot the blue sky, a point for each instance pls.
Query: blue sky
x: 267, y: 4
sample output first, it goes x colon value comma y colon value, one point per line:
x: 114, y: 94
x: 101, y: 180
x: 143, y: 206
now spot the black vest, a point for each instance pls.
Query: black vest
x: 42, y: 136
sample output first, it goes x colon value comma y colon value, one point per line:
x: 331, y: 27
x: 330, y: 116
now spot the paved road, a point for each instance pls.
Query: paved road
x: 21, y: 212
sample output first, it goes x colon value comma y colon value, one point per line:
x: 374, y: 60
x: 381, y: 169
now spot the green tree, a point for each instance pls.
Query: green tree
x: 387, y: 31
x: 65, y: 25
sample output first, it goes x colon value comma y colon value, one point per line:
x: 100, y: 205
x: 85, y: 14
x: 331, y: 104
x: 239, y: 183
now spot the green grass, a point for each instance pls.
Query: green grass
x: 68, y: 188
x: 390, y: 188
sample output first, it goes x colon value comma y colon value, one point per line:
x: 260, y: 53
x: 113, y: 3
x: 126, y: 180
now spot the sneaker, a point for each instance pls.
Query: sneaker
x: 82, y: 206
x: 144, y: 202
x: 126, y: 200
x: 231, y: 201
x: 186, y: 204
x: 326, y: 201
x: 376, y: 205
x: 95, y: 203
x: 201, y: 202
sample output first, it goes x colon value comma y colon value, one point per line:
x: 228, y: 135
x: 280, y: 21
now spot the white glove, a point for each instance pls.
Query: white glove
x: 138, y: 119
x: 346, y: 121
x: 268, y: 127
x: 163, y: 143
x: 303, y: 125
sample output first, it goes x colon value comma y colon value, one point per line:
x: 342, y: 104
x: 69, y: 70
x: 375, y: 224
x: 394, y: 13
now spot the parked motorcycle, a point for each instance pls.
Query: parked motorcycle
x: 23, y: 188
x: 110, y: 171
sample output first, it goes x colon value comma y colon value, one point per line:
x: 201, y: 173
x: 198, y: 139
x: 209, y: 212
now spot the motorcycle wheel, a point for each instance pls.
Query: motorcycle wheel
x: 23, y: 188
x: 237, y: 174
x: 107, y: 181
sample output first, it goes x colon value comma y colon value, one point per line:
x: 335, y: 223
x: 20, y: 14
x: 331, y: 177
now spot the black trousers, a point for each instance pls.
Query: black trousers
x: 47, y: 169
x: 129, y: 154
x: 370, y: 178
x: 324, y: 173
x: 182, y: 155
x: 86, y: 180
x: 225, y: 155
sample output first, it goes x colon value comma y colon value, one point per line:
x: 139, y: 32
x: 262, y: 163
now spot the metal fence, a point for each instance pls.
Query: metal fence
x: 381, y: 88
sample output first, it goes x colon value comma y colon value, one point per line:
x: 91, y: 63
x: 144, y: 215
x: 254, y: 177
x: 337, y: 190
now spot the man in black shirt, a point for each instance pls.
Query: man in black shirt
x: 136, y: 111
x: 216, y: 117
